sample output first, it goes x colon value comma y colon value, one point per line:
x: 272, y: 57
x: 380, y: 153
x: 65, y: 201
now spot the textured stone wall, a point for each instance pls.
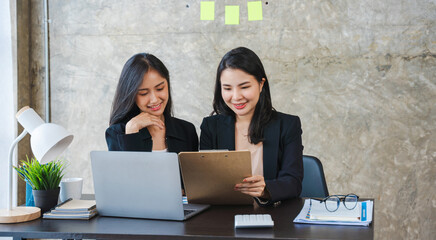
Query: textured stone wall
x: 360, y: 74
x: 30, y: 70
x: 24, y: 86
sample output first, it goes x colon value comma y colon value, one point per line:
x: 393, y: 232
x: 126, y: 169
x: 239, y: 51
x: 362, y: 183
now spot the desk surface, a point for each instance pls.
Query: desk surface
x: 216, y: 222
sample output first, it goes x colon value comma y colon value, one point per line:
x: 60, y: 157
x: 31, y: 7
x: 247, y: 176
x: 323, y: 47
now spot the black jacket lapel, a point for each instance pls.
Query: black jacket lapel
x: 175, y: 139
x: 226, y: 133
x: 271, y: 136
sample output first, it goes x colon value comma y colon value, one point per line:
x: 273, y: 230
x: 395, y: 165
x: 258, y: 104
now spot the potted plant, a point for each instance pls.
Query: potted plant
x: 44, y: 180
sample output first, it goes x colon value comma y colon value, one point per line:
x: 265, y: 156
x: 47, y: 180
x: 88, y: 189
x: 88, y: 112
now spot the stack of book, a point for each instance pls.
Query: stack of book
x: 73, y: 209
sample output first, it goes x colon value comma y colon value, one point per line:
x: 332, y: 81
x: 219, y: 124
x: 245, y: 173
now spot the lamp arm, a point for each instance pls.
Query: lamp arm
x: 11, y: 154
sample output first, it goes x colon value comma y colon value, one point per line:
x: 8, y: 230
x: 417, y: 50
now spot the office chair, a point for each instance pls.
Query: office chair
x: 314, y: 184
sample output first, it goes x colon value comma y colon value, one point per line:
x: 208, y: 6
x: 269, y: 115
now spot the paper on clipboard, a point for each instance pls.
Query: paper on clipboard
x: 210, y: 177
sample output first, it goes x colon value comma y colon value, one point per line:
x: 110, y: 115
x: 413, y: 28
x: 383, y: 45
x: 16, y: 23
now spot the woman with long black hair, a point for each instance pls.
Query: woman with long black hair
x: 244, y: 119
x: 141, y: 117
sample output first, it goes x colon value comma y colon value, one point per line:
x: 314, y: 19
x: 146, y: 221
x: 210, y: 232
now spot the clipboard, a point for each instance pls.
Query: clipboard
x: 210, y: 177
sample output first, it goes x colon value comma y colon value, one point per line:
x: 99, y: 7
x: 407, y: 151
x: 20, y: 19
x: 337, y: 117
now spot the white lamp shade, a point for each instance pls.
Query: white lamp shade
x: 48, y: 141
x: 29, y: 119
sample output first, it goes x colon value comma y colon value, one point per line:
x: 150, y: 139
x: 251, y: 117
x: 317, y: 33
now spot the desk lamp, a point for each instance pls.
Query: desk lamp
x: 48, y: 141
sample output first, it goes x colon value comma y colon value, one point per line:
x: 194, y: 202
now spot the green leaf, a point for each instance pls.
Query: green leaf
x: 41, y: 177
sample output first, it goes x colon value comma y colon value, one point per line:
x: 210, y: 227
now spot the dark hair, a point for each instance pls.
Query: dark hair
x: 246, y: 60
x: 124, y: 106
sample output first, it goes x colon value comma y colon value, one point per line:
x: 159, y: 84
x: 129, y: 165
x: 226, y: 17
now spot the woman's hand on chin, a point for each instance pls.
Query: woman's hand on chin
x: 143, y: 120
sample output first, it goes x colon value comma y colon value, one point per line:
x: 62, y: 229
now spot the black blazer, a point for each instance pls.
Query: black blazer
x: 180, y: 135
x: 282, y: 150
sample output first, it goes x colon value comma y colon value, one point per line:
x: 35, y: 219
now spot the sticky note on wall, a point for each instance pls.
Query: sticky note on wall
x: 207, y: 10
x: 232, y: 15
x: 254, y: 10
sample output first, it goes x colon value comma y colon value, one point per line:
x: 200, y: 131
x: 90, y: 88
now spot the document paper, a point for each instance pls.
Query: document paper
x: 365, y: 208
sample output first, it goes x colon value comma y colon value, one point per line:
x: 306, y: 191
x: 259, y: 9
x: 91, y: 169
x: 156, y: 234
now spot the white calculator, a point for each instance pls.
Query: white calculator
x: 253, y: 221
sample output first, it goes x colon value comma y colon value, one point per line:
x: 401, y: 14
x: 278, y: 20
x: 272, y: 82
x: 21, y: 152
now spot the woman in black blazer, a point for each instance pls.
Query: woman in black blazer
x: 245, y: 119
x: 141, y: 118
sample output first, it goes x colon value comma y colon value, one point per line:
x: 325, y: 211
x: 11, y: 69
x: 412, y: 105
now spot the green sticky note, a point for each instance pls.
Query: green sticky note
x: 232, y: 15
x: 207, y: 10
x: 254, y: 10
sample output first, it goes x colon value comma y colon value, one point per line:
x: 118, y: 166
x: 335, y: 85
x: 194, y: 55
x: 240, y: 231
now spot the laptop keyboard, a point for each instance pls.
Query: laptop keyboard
x: 186, y: 212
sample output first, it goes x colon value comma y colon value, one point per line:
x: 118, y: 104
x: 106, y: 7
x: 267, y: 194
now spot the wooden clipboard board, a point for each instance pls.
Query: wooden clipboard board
x: 209, y: 177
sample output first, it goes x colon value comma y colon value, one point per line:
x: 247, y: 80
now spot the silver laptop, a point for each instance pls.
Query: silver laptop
x: 140, y: 185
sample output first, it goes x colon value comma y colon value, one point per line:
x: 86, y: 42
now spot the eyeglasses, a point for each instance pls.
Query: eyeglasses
x: 332, y: 202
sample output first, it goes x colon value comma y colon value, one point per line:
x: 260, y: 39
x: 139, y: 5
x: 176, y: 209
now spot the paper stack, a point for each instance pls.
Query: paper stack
x: 73, y: 209
x: 316, y: 213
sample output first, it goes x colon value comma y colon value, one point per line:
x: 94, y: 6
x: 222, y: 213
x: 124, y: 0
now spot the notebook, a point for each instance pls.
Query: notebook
x: 210, y: 177
x: 140, y: 185
x: 73, y: 209
x: 75, y: 205
x: 319, y: 212
x: 364, y: 211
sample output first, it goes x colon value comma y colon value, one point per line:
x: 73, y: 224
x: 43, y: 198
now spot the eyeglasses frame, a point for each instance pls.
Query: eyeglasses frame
x: 341, y: 199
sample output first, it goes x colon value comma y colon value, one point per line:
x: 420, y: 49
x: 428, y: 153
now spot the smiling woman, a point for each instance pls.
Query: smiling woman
x: 141, y: 118
x: 245, y: 120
